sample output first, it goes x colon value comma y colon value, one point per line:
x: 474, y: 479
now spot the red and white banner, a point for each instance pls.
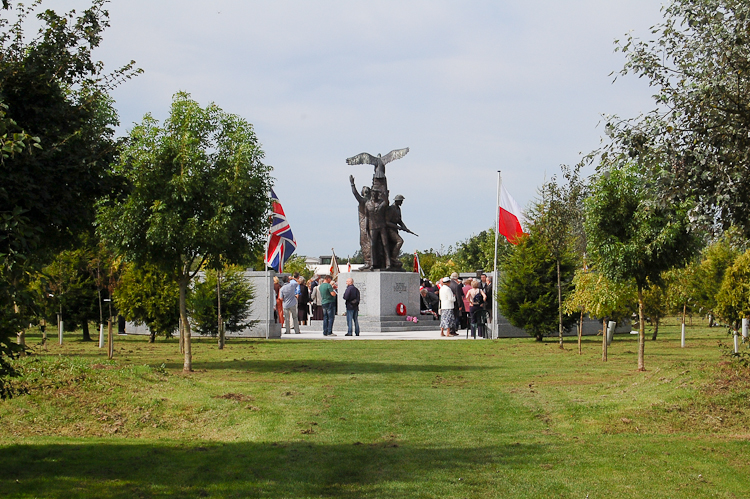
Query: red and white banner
x: 417, y: 265
x: 334, y: 271
x: 511, y: 222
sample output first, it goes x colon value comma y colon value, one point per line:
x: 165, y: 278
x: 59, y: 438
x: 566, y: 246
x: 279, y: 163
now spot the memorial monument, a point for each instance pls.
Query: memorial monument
x: 383, y: 282
x: 379, y: 222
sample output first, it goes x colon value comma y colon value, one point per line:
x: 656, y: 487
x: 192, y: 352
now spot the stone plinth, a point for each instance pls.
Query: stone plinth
x: 380, y: 292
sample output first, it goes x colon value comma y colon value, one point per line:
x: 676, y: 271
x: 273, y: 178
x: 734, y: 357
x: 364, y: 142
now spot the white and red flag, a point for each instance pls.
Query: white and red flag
x: 281, y: 242
x: 511, y: 222
x: 417, y: 265
x: 334, y: 271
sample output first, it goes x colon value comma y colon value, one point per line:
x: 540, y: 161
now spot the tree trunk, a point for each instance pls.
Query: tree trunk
x: 188, y: 365
x: 182, y: 337
x: 684, y: 311
x: 656, y: 329
x: 151, y: 336
x: 580, y: 332
x: 641, y: 332
x: 20, y: 335
x: 85, y: 328
x: 604, y: 339
x: 559, y: 303
x: 220, y: 323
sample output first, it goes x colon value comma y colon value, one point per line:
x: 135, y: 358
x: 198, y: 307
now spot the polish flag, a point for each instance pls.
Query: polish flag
x: 511, y: 222
x: 417, y: 265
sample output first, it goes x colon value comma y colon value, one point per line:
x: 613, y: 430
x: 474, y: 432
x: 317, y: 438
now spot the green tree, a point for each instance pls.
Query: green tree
x: 598, y: 296
x: 682, y: 287
x: 716, y: 259
x: 147, y: 295
x: 527, y: 292
x: 427, y: 259
x: 733, y: 298
x: 478, y: 252
x: 52, y: 89
x: 236, y: 300
x: 656, y: 304
x: 557, y: 221
x: 66, y: 287
x: 442, y: 269
x: 632, y: 237
x: 697, y: 140
x: 199, y: 191
x: 296, y: 263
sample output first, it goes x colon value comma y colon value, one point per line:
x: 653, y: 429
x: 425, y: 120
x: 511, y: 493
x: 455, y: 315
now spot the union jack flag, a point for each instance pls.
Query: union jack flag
x: 281, y: 243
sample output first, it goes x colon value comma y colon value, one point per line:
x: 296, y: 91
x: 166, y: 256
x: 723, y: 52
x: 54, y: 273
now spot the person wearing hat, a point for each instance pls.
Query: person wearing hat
x: 395, y: 224
x: 447, y: 300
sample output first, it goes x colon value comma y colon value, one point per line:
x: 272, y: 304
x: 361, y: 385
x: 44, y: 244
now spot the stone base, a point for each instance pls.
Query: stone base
x: 380, y: 293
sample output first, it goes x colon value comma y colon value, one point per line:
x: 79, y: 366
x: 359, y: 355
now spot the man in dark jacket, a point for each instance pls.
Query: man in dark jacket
x: 458, y: 307
x: 429, y: 302
x: 351, y: 298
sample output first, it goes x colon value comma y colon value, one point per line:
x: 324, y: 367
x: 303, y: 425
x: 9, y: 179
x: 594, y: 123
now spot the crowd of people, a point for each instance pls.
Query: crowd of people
x: 457, y: 303
x: 298, y: 301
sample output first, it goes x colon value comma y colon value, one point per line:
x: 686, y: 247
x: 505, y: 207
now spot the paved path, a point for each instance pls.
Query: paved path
x: 315, y: 332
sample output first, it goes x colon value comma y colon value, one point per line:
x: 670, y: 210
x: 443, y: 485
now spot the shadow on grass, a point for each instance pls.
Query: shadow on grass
x: 325, y: 366
x: 294, y: 469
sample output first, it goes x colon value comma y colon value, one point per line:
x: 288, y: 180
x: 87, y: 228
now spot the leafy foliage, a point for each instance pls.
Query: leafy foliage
x: 697, y: 141
x: 51, y: 88
x: 558, y: 223
x: 632, y: 237
x: 66, y: 285
x: 716, y: 259
x: 527, y: 293
x: 733, y: 298
x: 478, y: 251
x: 296, y: 263
x: 442, y: 269
x: 199, y: 191
x: 147, y: 295
x: 236, y: 300
x: 598, y: 296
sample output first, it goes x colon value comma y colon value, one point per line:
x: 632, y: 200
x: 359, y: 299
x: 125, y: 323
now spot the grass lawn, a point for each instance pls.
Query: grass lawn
x: 505, y: 418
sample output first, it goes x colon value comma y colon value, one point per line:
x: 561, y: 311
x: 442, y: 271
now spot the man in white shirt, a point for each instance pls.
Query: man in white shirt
x: 288, y: 294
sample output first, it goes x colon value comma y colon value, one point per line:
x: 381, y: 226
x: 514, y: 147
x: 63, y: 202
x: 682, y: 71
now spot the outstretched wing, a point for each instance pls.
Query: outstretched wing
x: 362, y: 159
x: 394, y: 155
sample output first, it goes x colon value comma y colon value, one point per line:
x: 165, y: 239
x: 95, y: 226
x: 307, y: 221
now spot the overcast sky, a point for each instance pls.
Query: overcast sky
x: 472, y: 87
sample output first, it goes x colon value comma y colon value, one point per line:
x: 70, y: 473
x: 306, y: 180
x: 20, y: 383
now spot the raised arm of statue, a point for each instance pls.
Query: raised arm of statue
x: 357, y: 195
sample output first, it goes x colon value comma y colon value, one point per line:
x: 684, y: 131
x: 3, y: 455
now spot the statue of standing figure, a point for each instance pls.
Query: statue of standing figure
x: 379, y: 223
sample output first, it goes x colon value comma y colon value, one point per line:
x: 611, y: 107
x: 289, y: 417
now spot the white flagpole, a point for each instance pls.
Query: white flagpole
x: 495, y: 330
x: 267, y: 278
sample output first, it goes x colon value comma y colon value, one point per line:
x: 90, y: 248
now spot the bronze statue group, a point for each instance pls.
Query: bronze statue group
x: 379, y: 221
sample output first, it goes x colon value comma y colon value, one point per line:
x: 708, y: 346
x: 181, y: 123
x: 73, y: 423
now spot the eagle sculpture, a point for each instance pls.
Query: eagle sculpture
x: 379, y: 162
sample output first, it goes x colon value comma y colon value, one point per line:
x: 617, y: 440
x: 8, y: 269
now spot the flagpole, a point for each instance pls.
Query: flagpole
x: 269, y: 312
x: 495, y: 331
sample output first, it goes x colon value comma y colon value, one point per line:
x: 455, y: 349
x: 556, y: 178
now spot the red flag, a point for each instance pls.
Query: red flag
x: 511, y: 221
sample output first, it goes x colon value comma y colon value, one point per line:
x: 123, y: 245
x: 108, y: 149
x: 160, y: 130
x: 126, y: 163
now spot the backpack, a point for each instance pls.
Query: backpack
x: 478, y: 299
